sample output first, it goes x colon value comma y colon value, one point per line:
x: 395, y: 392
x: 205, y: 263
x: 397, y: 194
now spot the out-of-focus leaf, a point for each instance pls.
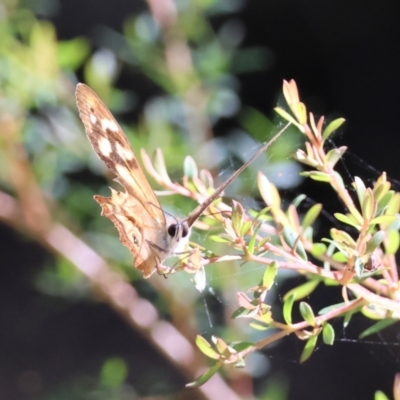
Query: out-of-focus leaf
x: 308, y: 348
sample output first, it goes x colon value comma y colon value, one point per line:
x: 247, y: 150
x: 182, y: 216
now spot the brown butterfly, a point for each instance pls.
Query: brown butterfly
x: 142, y: 225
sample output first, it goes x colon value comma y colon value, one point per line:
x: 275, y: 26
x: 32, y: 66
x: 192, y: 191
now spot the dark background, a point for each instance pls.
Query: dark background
x: 344, y: 57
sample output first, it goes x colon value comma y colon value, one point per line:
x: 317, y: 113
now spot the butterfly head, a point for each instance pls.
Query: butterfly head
x: 178, y: 234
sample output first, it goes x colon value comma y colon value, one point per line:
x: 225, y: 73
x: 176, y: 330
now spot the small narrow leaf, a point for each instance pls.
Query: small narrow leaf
x: 237, y: 217
x: 368, y: 205
x: 375, y: 241
x: 285, y: 115
x: 252, y: 241
x: 334, y: 155
x: 332, y: 127
x: 268, y: 191
x: 380, y: 396
x: 190, y: 168
x: 318, y: 249
x: 393, y: 242
x: 330, y: 308
x: 206, y: 348
x: 308, y: 348
x: 299, y: 199
x: 307, y: 313
x: 328, y: 334
x: 270, y: 274
x: 347, y: 319
x: 383, y: 219
x: 360, y: 189
x: 287, y: 309
x: 343, y: 237
x: 317, y: 176
x: 241, y: 346
x: 377, y: 327
x: 311, y: 215
x: 345, y: 219
x: 359, y: 267
x: 291, y: 238
x: 303, y: 290
x: 206, y: 376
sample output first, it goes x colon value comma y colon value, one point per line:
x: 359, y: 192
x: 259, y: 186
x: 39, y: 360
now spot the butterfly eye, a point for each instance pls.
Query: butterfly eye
x: 172, y: 230
x: 185, y: 230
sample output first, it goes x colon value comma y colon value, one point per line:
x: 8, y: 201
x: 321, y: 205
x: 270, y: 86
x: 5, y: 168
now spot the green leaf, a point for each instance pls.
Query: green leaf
x: 206, y: 348
x: 258, y: 326
x: 367, y: 205
x: 342, y: 237
x: 377, y: 327
x: 393, y: 242
x: 340, y: 256
x: 240, y: 311
x: 385, y: 200
x: 328, y: 334
x: 245, y: 228
x: 334, y: 155
x: 332, y: 127
x: 380, y: 396
x: 202, y: 379
x: 237, y: 217
x: 256, y: 123
x: 308, y: 348
x: 190, y: 168
x: 240, y: 346
x: 307, y: 313
x: 345, y: 219
x: 72, y: 53
x: 221, y: 238
x: 347, y: 318
x: 270, y: 274
x: 291, y: 239
x: 375, y: 241
x: 317, y: 176
x: 318, y: 249
x: 311, y: 215
x: 360, y: 189
x: 285, y: 115
x: 298, y: 200
x: 383, y: 219
x: 303, y: 290
x: 114, y: 372
x: 287, y: 309
x: 359, y: 267
x: 252, y: 241
x: 330, y: 308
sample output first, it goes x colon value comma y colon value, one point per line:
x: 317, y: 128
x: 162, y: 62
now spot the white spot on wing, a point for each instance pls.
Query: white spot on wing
x: 108, y: 124
x: 93, y: 119
x: 124, y: 152
x: 124, y: 173
x: 105, y: 147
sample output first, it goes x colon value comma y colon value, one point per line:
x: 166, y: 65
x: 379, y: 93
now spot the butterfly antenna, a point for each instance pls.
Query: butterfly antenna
x: 165, y: 212
x: 200, y: 208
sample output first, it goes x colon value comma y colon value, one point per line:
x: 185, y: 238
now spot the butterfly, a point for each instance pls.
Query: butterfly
x: 144, y: 229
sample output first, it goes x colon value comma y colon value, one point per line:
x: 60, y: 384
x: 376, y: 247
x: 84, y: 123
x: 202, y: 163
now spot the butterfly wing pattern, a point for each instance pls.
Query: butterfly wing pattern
x: 136, y: 213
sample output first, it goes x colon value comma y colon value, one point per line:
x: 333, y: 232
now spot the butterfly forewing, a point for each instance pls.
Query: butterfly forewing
x: 112, y: 146
x: 136, y: 214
